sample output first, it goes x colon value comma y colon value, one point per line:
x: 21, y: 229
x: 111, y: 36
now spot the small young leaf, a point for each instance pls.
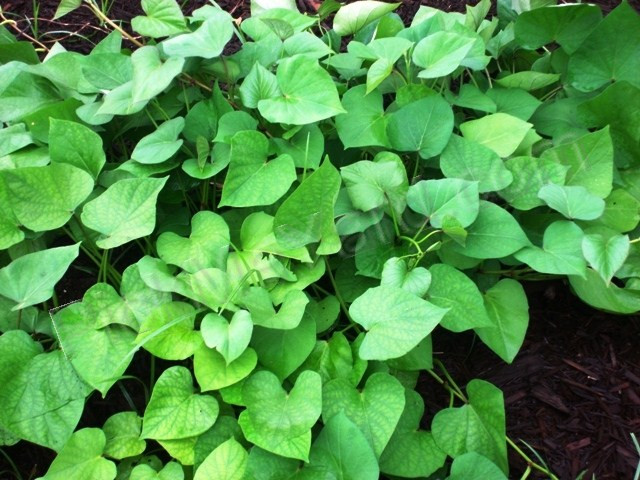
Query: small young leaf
x: 160, y: 145
x: 500, y: 132
x: 606, y: 254
x: 353, y: 17
x: 122, y: 432
x: 231, y: 338
x: 447, y: 197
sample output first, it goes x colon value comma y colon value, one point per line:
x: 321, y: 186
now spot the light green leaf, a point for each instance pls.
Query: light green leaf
x: 306, y: 147
x: 292, y: 308
x: 99, y: 355
x: 122, y: 432
x: 283, y: 351
x: 454, y: 291
x: 206, y: 247
x: 66, y: 6
x: 226, y: 462
x: 441, y: 53
x: 171, y: 471
x: 529, y: 176
x: 514, y: 101
x: 470, y: 96
x: 306, y: 43
x: 279, y: 422
x: 163, y: 18
x: 342, y: 451
x: 447, y: 197
x: 474, y: 162
x: 572, y: 202
x: 308, y: 93
x: 43, y: 401
x: 500, y: 132
x: 150, y: 75
x: 207, y: 41
x: 139, y: 298
x: 161, y: 144
x: 478, y: 426
x: 605, y: 254
x: 168, y: 332
x: 230, y: 338
x: 213, y: 373
x: 411, y: 452
x: 590, y: 161
x: 568, y: 26
x: 81, y: 457
x: 621, y: 211
x: 77, y: 145
x: 473, y: 466
x: 364, y: 124
x: 175, y: 411
x: 306, y: 216
x: 233, y: 122
x: 494, y: 234
x: 126, y: 211
x: 422, y: 126
x: 260, y: 84
x: 561, y: 252
x: 251, y: 180
x: 45, y: 198
x: 257, y: 235
x: 377, y: 183
x: 528, y: 80
x: 605, y: 55
x: 352, y: 17
x: 508, y: 310
x: 378, y: 72
x: 395, y: 273
x: 395, y: 320
x: 594, y: 291
x: 30, y: 279
x: 375, y: 411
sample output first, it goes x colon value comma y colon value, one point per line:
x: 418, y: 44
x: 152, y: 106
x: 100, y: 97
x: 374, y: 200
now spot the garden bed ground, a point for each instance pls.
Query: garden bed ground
x: 573, y: 392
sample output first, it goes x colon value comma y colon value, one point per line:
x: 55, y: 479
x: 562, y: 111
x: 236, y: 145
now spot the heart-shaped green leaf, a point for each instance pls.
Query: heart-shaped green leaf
x: 441, y: 53
x: 447, y: 197
x: 161, y: 144
x: 353, y: 17
x: 213, y: 373
x: 375, y: 411
x: 500, y: 132
x: 395, y: 320
x: 207, y: 41
x: 473, y: 466
x: 605, y: 253
x: 124, y: 212
x: 206, y: 247
x: 396, y: 274
x: 280, y: 422
x: 122, y: 432
x: 77, y: 145
x: 230, y: 338
x: 163, y: 18
x: 226, y: 462
x: 175, y: 411
x: 572, y: 202
x: 364, y: 124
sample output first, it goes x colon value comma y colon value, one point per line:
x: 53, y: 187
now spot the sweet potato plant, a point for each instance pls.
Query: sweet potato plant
x: 297, y: 215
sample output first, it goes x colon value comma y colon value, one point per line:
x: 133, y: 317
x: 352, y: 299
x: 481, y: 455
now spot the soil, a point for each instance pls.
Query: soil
x: 572, y: 394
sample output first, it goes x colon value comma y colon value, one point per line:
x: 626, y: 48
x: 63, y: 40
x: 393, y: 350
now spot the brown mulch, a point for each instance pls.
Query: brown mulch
x: 573, y: 391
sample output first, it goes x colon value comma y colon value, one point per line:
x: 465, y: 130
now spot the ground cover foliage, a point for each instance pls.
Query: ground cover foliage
x: 299, y: 217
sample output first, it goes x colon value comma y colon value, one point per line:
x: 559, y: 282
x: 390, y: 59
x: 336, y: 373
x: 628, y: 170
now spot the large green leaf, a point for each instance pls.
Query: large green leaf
x: 529, y: 176
x: 478, y: 426
x: 395, y: 320
x: 375, y: 411
x: 44, y: 198
x: 174, y: 410
x: 30, y: 279
x: 500, y: 132
x: 365, y: 123
x: 606, y: 55
x: 306, y: 216
x: 279, y: 422
x: 441, y: 53
x: 227, y: 462
x: 454, y: 291
x: 126, y: 211
x: 447, y: 197
x: 43, y: 401
x: 122, y: 432
x: 206, y: 247
x: 99, y: 355
x: 596, y: 292
x: 77, y: 145
x: 590, y: 161
x: 474, y: 162
x: 163, y: 18
x: 353, y: 17
x: 308, y: 93
x: 81, y: 457
x: 342, y: 451
x: 161, y: 144
x: 207, y: 41
x: 568, y: 26
x: 373, y: 184
x: 411, y: 452
x: 494, y: 234
x: 167, y: 332
x: 572, y: 202
x: 605, y: 253
x: 251, y: 179
x: 508, y: 310
x: 561, y: 252
x: 422, y: 126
